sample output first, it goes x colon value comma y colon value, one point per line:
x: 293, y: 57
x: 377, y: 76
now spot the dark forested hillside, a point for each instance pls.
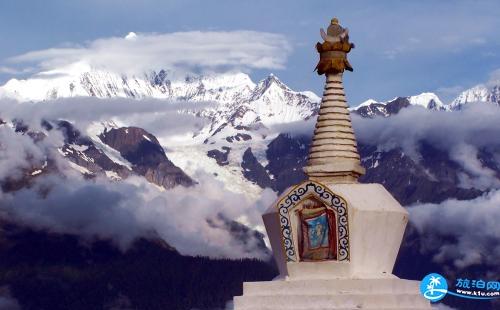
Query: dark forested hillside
x: 50, y: 272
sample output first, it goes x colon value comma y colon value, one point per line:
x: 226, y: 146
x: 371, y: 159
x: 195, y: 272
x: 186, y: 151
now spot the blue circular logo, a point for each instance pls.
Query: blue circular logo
x: 434, y: 287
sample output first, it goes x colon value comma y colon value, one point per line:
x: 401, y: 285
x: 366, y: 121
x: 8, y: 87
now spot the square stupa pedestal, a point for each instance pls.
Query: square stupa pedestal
x: 329, y: 294
x: 376, y: 224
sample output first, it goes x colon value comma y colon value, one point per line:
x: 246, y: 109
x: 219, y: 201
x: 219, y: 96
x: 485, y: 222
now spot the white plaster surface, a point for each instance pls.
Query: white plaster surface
x: 331, y: 294
x: 377, y: 223
x: 376, y: 227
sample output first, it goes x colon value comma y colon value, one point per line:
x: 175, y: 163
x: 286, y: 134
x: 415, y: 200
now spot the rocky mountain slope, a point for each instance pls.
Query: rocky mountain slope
x: 433, y: 178
x: 120, y: 153
x: 143, y: 150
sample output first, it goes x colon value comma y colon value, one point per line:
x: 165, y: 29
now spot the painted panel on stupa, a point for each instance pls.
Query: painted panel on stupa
x: 322, y: 231
x: 317, y: 233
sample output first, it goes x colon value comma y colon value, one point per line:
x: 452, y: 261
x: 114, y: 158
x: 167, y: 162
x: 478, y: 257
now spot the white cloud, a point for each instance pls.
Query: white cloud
x: 15, y: 150
x: 156, y: 116
x: 131, y: 36
x: 298, y: 128
x: 478, y: 176
x: 8, y: 303
x: 494, y: 79
x: 124, y: 211
x: 469, y: 227
x: 461, y: 134
x: 15, y: 71
x: 178, y: 51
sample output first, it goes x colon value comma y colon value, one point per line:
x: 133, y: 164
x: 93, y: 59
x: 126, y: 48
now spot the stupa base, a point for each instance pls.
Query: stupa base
x: 327, y: 294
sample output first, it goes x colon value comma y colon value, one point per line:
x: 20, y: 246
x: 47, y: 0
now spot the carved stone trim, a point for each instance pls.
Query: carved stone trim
x: 330, y: 199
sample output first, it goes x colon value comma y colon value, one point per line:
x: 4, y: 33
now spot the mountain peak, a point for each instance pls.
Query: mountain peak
x: 478, y: 93
x: 427, y: 100
x: 270, y: 83
x: 271, y: 78
x: 364, y: 104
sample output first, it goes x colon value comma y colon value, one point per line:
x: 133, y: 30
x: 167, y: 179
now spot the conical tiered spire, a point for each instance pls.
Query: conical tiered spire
x: 333, y: 156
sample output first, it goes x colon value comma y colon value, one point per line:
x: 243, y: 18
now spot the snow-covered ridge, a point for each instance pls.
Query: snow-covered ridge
x: 426, y: 100
x: 241, y: 116
x: 478, y: 93
x: 80, y: 80
x: 365, y: 104
x: 372, y: 107
x: 238, y: 99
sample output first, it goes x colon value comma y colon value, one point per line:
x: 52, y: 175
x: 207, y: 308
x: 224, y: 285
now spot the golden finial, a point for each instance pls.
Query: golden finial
x: 333, y: 51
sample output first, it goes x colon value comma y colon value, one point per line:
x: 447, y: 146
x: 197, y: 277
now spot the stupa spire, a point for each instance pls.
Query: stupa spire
x: 334, y: 240
x: 333, y: 156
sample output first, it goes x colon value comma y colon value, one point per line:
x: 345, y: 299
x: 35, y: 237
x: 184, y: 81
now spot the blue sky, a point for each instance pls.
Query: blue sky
x: 402, y: 47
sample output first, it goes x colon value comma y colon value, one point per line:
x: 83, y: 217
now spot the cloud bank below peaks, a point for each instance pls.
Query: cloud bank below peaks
x: 189, y: 219
x: 471, y: 226
x: 192, y: 51
x: 195, y: 220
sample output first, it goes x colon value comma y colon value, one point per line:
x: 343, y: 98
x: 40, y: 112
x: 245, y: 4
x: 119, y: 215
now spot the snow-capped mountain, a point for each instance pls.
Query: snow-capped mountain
x: 270, y: 102
x: 371, y: 108
x: 235, y: 144
x: 479, y: 93
x: 427, y: 100
x: 239, y: 101
x: 240, y: 115
x: 81, y: 80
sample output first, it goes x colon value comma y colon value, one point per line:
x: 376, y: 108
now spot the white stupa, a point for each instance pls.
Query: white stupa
x: 335, y: 241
